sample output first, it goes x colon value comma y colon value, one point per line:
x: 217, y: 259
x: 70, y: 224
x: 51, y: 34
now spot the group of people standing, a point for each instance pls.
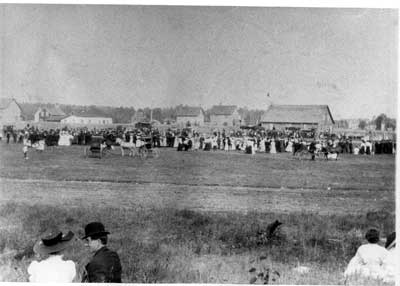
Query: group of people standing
x: 104, y: 266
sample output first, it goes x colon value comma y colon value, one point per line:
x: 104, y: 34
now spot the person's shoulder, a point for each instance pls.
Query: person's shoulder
x: 32, y: 266
x: 70, y: 263
x: 372, y: 247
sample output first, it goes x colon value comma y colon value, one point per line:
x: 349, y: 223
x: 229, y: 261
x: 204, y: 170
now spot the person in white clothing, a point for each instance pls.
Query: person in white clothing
x: 53, y: 268
x: 389, y: 265
x: 273, y: 146
x: 367, y: 264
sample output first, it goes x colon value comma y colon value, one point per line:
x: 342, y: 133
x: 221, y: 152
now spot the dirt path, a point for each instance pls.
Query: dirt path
x: 200, y: 198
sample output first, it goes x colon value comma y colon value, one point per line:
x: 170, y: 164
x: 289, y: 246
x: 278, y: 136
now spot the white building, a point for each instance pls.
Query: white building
x: 10, y: 112
x: 86, y: 118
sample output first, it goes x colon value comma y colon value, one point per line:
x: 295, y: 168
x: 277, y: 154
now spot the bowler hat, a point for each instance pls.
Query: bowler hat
x: 53, y: 241
x: 95, y: 230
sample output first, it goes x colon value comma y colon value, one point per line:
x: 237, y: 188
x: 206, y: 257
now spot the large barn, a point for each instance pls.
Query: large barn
x: 225, y: 115
x: 298, y: 116
x: 193, y: 115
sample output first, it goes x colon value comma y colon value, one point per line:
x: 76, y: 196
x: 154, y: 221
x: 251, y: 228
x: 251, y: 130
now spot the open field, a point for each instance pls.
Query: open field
x: 199, y: 216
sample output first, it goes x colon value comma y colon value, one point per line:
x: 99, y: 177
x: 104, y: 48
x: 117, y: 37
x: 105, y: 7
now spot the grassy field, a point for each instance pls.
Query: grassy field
x: 201, y: 216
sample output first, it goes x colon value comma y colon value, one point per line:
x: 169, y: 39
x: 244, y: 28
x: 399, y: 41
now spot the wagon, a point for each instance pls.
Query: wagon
x: 147, y: 149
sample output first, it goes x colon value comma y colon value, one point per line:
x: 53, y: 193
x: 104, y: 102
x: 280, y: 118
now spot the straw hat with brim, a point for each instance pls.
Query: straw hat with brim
x: 53, y: 242
x: 95, y: 230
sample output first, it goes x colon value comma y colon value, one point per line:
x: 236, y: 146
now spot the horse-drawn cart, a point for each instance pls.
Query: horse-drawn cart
x: 141, y: 147
x: 96, y: 147
x: 145, y: 148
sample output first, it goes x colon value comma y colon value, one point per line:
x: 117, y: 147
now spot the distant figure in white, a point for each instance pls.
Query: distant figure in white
x: 273, y: 146
x: 26, y: 144
x: 65, y: 139
x: 289, y: 147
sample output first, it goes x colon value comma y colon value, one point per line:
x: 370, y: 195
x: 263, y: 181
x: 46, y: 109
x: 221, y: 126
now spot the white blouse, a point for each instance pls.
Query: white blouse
x: 52, y: 269
x: 368, y: 261
x: 389, y: 267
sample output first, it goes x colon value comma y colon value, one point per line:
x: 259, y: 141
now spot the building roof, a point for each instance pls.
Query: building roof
x: 189, y: 111
x: 296, y: 114
x: 90, y: 114
x: 223, y: 109
x: 54, y: 110
x: 5, y: 103
x: 56, y: 118
x: 28, y: 111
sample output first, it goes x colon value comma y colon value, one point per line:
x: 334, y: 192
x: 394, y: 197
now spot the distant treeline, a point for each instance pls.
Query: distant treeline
x: 125, y: 114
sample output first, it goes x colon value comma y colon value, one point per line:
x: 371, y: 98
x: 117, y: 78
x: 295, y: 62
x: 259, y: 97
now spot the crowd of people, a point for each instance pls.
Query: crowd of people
x: 249, y: 141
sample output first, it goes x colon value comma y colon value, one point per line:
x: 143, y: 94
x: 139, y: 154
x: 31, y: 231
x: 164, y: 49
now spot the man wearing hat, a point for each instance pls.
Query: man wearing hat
x: 105, y: 265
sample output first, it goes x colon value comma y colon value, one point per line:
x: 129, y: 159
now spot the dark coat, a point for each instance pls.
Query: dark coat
x: 105, y: 266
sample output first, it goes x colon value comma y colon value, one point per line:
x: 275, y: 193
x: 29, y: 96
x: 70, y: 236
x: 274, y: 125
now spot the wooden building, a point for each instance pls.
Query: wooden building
x: 225, y: 115
x: 192, y: 115
x: 10, y: 112
x: 304, y: 117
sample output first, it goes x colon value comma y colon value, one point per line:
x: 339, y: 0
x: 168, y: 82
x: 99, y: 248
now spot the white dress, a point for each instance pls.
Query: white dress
x: 226, y: 146
x: 367, y: 262
x: 176, y: 141
x: 196, y: 144
x: 52, y: 269
x: 273, y: 147
x: 289, y: 147
x: 262, y: 145
x: 389, y: 267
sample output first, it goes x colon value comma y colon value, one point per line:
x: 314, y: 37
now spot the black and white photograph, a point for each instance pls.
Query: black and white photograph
x: 199, y: 143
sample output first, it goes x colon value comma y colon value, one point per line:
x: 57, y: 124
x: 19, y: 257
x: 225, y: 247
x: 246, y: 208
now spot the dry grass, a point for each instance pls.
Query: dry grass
x: 198, y: 217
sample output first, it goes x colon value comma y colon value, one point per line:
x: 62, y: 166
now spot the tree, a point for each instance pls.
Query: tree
x: 157, y: 114
x: 391, y: 123
x: 382, y: 118
x: 362, y: 124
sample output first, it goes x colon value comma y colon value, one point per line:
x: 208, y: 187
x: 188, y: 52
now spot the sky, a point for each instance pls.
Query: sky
x: 160, y: 56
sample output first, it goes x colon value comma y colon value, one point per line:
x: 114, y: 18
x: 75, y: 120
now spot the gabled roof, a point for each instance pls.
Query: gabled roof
x: 296, y: 114
x: 189, y: 111
x: 5, y: 103
x: 54, y: 110
x: 223, y: 109
x: 28, y: 111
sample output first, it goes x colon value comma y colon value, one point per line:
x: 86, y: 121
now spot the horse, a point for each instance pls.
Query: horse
x: 300, y: 149
x: 331, y: 152
x: 130, y: 146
